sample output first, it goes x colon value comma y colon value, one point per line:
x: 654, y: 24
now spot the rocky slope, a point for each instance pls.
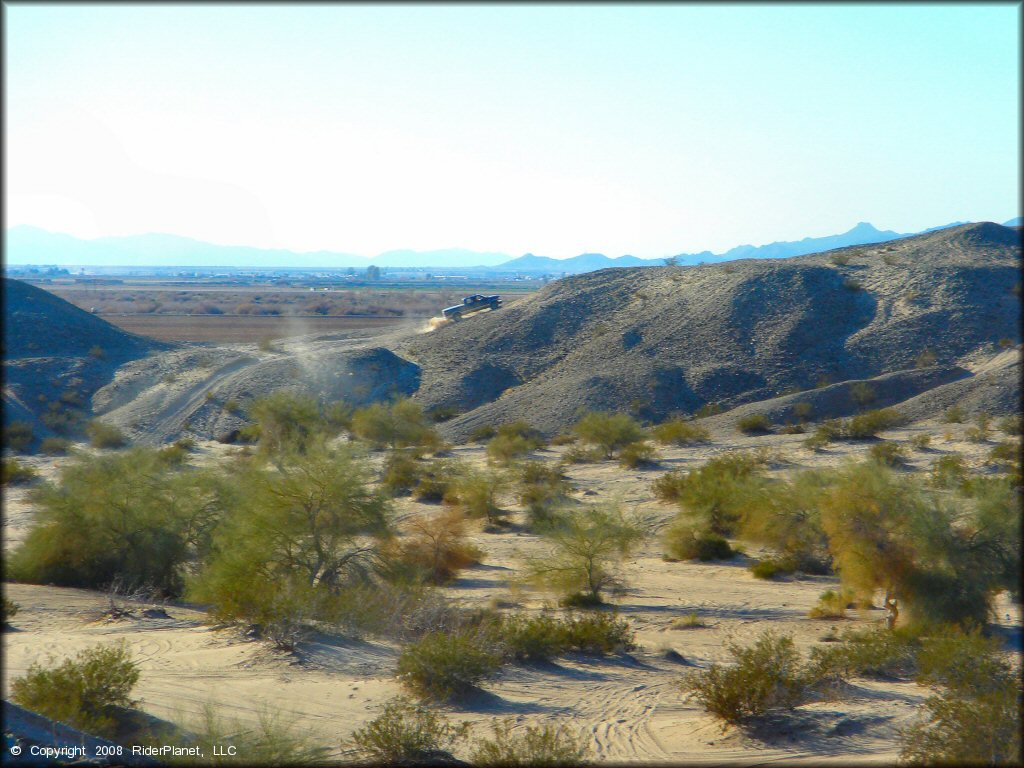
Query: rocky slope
x: 663, y: 341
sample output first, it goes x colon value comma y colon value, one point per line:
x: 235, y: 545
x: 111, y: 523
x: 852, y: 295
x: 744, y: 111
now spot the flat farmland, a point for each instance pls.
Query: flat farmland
x: 228, y: 329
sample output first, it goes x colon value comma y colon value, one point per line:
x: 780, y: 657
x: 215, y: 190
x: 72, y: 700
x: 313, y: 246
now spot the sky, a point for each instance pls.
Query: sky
x: 553, y: 129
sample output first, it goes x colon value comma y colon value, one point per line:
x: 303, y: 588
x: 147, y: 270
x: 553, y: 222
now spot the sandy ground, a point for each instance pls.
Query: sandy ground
x: 629, y: 709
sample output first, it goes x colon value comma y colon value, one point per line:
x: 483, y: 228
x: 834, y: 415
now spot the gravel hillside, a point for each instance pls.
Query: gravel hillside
x: 662, y: 341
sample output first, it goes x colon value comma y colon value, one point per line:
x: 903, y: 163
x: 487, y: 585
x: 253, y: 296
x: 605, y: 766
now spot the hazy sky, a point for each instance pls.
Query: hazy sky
x: 648, y: 130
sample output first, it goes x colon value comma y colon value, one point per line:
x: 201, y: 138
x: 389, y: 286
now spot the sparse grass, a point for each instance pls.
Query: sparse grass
x: 680, y: 432
x: 85, y: 692
x: 406, y: 732
x: 275, y: 740
x: 445, y: 666
x: 754, y: 424
x: 689, y: 621
x: 537, y: 745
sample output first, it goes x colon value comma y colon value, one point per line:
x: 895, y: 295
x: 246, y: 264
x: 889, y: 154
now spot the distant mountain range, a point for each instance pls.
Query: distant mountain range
x: 31, y: 245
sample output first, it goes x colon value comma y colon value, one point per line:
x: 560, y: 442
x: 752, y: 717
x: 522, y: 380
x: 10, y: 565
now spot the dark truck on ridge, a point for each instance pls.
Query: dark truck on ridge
x: 471, y: 304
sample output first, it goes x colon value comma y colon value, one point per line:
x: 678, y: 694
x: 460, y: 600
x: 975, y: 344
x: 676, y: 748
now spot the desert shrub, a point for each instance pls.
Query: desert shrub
x: 872, y: 653
x: 18, y: 435
x: 286, y: 421
x: 231, y: 406
x: 14, y: 472
x: 274, y: 740
x: 483, y: 433
x: 1012, y: 425
x: 669, y: 486
x: 266, y: 344
x: 840, y: 259
x: 436, y: 548
x: 870, y: 423
x: 709, y: 409
x: 443, y: 666
x: 819, y: 439
x: 442, y: 413
x: 852, y: 284
x: 63, y: 421
x: 714, y: 495
x: 541, y: 489
x: 401, y: 473
x: 528, y: 638
x: 291, y: 538
x: 765, y: 677
x: 85, y: 692
x: 475, y: 492
x: 691, y: 620
x: 173, y: 455
x: 921, y: 442
x: 599, y: 634
x: 803, y: 411
x: 54, y: 446
x: 539, y: 745
x: 769, y: 567
x: 637, y: 455
x: 831, y: 605
x: 680, y: 432
x: 974, y: 718
x: 954, y: 415
x: 97, y: 352
x: 611, y: 432
x: 401, y: 424
x: 127, y: 517
x: 104, y: 435
x: 577, y: 454
x: 976, y: 435
x: 949, y: 471
x: 888, y: 453
x: 1004, y: 453
x: 504, y: 448
x: 684, y: 542
x: 587, y: 544
x: 925, y: 359
x: 436, y: 480
x: 406, y: 732
x: 10, y: 610
x: 754, y: 424
x: 792, y: 429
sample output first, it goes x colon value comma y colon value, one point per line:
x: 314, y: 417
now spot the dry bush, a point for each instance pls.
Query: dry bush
x: 436, y: 548
x: 840, y: 259
x: 831, y: 605
x: 668, y: 486
x: 14, y: 472
x: 888, y: 453
x: 680, y: 432
x: 769, y: 567
x: 104, y: 435
x: 684, y: 542
x: 1011, y: 425
x: 954, y: 415
x: 406, y: 732
x: 921, y: 442
x: 689, y: 621
x: 85, y: 692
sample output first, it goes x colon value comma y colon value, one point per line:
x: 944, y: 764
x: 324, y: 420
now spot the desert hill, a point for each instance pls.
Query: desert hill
x: 662, y: 341
x: 56, y: 353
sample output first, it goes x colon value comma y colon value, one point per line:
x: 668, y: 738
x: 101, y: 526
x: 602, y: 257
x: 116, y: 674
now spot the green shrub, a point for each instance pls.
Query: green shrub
x: 443, y: 666
x: 875, y: 653
x: 610, y: 432
x: 769, y: 567
x: 483, y: 433
x: 126, y: 517
x: 401, y: 424
x: 1004, y: 453
x: 18, y: 435
x: 637, y: 455
x: 888, y: 453
x: 683, y: 542
x: 231, y: 406
x: 538, y: 745
x: 402, y: 472
x: 84, y: 692
x: 870, y: 423
x: 529, y: 638
x: 437, y: 481
x: 504, y: 448
x: 541, y: 489
x: 713, y: 496
x: 680, y: 432
x: 765, y: 677
x: 754, y: 424
x: 104, y: 435
x: 976, y: 435
x: 840, y: 259
x: 803, y: 411
x: 949, y: 471
x: 406, y: 732
x: 14, y: 472
x: 579, y: 455
x: 831, y: 605
x: 669, y: 486
x: 1012, y: 425
x: 63, y: 421
x: 475, y: 492
x: 921, y: 442
x: 10, y: 609
x: 54, y: 446
x: 599, y: 634
x: 954, y: 415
